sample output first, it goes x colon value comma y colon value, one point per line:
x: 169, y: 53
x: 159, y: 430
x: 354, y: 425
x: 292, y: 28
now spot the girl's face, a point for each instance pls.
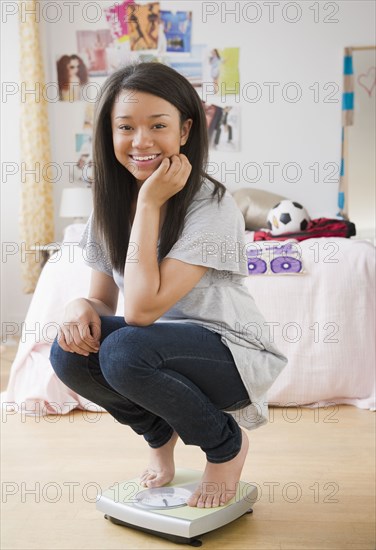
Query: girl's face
x: 145, y: 130
x: 73, y: 66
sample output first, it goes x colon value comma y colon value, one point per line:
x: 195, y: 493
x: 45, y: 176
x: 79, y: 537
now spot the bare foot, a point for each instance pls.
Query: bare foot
x: 161, y: 469
x: 220, y: 481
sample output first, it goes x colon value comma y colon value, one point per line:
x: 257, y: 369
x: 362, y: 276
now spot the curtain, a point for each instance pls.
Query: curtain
x: 36, y: 216
x: 347, y: 120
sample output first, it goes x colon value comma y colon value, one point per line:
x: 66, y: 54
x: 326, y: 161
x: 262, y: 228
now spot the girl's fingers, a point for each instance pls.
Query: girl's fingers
x: 70, y: 339
x: 95, y: 333
x: 79, y: 345
x: 73, y: 340
x: 87, y: 341
x: 62, y: 343
x: 172, y: 175
x: 180, y: 166
x: 186, y: 166
x: 164, y: 166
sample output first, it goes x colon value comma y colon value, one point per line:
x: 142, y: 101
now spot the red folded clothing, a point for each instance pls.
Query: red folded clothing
x: 320, y: 227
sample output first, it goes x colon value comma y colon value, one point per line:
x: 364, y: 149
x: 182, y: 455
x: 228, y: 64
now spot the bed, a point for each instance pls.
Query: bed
x: 322, y: 319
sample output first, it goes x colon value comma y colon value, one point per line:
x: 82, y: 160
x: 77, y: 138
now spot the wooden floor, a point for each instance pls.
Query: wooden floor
x: 314, y: 471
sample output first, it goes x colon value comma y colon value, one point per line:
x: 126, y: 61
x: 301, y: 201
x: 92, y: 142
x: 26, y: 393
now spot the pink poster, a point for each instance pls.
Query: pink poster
x: 117, y: 19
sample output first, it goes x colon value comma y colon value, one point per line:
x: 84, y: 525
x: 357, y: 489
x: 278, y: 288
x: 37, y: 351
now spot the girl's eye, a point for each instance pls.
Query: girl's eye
x: 128, y: 128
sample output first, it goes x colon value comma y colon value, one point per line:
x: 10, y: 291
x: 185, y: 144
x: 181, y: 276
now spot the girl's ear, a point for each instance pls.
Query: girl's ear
x: 185, y: 129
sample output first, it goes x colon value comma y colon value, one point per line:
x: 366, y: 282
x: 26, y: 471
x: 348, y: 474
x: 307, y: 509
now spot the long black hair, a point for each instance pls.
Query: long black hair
x: 115, y: 187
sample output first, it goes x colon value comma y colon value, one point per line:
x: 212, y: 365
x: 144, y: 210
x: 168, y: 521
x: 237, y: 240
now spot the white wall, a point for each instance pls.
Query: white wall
x: 304, y: 134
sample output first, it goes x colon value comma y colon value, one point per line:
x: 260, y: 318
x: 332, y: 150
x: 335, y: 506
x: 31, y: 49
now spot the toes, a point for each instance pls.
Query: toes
x: 201, y: 502
x: 147, y: 473
x: 146, y: 477
x: 152, y: 479
x: 226, y: 497
x: 193, y: 499
x: 153, y: 482
x: 209, y: 502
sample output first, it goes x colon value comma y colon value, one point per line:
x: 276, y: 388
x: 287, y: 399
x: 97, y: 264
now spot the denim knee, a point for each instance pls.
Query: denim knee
x: 122, y: 360
x: 64, y: 363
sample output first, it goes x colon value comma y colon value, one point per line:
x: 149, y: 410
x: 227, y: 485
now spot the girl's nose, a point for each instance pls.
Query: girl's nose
x: 142, y: 139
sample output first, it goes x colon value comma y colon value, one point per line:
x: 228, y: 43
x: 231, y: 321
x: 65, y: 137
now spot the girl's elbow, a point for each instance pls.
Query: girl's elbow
x: 137, y: 319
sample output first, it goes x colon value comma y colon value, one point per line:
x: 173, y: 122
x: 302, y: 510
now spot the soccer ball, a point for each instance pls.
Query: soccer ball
x: 287, y: 217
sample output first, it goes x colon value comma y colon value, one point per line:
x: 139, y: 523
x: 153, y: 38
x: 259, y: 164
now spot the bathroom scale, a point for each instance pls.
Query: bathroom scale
x: 163, y: 511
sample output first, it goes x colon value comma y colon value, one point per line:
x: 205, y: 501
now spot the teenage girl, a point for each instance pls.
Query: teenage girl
x: 188, y: 358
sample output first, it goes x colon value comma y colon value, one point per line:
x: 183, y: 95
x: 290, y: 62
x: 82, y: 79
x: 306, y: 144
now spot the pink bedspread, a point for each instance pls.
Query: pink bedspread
x: 33, y: 387
x: 331, y: 356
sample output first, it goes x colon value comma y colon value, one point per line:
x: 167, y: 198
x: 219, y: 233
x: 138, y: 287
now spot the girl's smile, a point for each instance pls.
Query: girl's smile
x: 143, y: 161
x: 145, y: 130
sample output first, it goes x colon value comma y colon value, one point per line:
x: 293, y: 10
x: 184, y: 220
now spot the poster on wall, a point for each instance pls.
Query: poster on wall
x: 213, y: 115
x: 191, y: 66
x: 88, y: 118
x: 143, y: 26
x: 118, y: 55
x: 177, y: 27
x: 224, y: 70
x: 223, y: 127
x: 83, y: 167
x: 83, y: 143
x: 72, y: 76
x: 92, y: 47
x: 116, y: 16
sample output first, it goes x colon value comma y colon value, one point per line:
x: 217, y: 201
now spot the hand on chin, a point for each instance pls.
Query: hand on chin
x: 167, y: 180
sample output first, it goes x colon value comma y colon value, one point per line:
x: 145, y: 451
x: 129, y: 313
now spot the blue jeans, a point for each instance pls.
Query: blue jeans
x: 160, y: 378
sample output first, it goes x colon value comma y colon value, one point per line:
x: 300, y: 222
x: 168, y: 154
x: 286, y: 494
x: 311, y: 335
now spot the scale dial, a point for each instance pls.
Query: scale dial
x: 161, y: 498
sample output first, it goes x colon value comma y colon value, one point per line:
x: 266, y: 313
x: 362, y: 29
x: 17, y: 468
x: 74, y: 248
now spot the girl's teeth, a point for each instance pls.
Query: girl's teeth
x: 151, y: 157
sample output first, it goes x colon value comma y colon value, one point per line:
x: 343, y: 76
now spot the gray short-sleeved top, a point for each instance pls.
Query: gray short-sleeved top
x: 214, y: 236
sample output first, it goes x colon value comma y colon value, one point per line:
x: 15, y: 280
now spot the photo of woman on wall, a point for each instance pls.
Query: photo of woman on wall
x: 72, y: 75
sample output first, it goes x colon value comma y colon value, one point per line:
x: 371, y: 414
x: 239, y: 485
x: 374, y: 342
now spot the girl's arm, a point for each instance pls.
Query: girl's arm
x: 103, y: 293
x: 81, y: 325
x: 151, y: 289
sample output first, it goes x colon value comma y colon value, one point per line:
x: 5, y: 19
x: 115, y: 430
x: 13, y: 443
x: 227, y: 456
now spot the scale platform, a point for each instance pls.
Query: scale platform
x: 163, y: 511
